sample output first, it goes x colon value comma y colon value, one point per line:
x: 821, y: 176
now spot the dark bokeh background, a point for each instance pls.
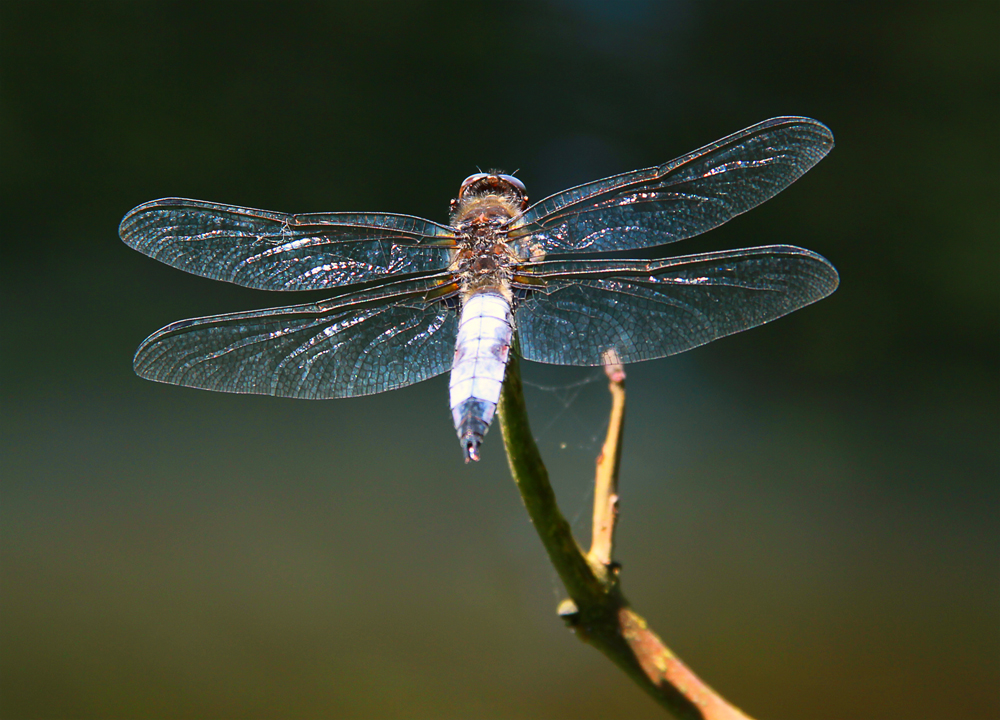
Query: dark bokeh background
x: 810, y: 509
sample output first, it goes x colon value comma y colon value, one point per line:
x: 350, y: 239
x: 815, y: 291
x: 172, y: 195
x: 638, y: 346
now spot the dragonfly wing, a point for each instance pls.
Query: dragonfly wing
x: 273, y: 251
x: 358, y: 344
x: 645, y: 310
x: 682, y: 198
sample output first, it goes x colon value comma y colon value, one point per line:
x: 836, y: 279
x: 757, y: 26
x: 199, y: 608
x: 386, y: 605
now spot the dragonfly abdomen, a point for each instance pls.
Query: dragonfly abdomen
x: 484, y: 336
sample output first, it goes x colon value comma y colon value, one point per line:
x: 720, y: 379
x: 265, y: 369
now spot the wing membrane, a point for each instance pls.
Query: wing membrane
x: 273, y: 251
x: 682, y: 198
x: 645, y: 310
x: 357, y: 344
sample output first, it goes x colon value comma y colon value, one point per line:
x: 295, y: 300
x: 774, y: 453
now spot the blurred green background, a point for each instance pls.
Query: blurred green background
x: 810, y: 509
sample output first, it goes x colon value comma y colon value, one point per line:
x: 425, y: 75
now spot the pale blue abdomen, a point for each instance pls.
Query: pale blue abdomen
x: 485, y: 332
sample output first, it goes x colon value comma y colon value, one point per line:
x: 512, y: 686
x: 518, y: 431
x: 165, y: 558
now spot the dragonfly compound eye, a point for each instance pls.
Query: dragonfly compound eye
x: 497, y: 184
x: 469, y: 182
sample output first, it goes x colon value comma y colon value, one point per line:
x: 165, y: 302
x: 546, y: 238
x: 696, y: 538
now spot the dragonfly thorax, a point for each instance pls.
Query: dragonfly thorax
x: 483, y: 259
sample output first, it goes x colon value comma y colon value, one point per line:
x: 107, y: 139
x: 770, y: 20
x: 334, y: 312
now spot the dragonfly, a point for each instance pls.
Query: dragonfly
x: 412, y: 298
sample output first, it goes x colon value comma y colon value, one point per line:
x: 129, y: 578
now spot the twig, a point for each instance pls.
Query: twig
x: 597, y: 610
x: 602, y: 540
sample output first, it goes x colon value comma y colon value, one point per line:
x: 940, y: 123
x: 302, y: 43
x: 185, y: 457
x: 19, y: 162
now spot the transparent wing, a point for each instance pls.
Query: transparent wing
x: 357, y: 344
x: 273, y: 251
x: 682, y: 198
x: 645, y: 310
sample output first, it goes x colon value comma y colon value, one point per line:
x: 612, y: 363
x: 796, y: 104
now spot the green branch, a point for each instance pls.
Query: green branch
x: 597, y: 611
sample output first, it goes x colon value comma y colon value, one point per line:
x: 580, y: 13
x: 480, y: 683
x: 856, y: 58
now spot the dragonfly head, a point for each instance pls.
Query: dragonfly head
x: 492, y: 183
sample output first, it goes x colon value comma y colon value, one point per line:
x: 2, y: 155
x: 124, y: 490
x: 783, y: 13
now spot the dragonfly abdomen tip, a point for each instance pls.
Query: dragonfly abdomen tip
x: 472, y: 449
